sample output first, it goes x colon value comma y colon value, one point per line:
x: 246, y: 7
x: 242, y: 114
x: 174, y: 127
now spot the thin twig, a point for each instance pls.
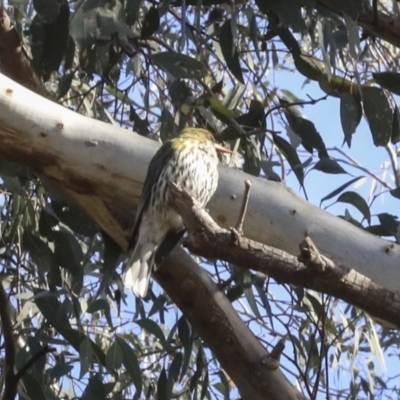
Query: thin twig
x: 239, y: 225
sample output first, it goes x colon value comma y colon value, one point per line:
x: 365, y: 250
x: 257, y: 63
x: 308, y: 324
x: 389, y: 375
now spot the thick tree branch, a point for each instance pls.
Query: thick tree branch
x: 246, y: 361
x: 316, y: 272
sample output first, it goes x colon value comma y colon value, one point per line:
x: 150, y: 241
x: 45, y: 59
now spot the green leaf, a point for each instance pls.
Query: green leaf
x: 50, y: 32
x: 395, y: 193
x: 251, y: 157
x: 46, y: 224
x: 114, y: 356
x: 33, y: 388
x: 13, y: 185
x: 288, y: 12
x: 68, y: 251
x: 219, y: 107
x: 310, y: 137
x: 291, y: 156
x: 52, y: 311
x: 229, y: 50
x: 254, y: 35
x: 388, y: 80
x: 162, y: 386
x: 185, y: 336
x: 329, y: 166
x: 310, y: 67
x: 179, y: 92
x: 340, y: 189
x: 350, y: 114
x: 75, y: 218
x: 130, y: 362
x: 141, y: 126
x: 179, y: 65
x: 378, y: 113
x: 153, y: 328
x: 39, y: 251
x: 101, y: 304
x: 248, y: 292
x: 132, y: 9
x: 95, y: 390
x: 353, y: 7
x: 85, y: 356
x: 8, y: 168
x: 151, y: 23
x: 358, y: 202
x: 60, y: 369
x: 168, y: 128
x: 395, y: 138
x: 111, y: 253
x: 173, y: 373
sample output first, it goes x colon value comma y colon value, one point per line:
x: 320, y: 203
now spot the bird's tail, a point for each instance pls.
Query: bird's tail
x: 137, y: 274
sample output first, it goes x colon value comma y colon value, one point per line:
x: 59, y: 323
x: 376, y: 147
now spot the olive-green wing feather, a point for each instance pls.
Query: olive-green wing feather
x: 157, y: 164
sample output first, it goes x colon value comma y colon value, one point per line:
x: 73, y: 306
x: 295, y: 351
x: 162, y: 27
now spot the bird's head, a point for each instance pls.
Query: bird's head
x: 203, y: 136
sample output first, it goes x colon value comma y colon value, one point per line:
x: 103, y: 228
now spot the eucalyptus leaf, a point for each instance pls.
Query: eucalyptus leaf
x: 179, y: 65
x: 229, y: 50
x: 291, y: 156
x: 388, y: 80
x: 378, y: 113
x: 358, y: 202
x: 329, y: 166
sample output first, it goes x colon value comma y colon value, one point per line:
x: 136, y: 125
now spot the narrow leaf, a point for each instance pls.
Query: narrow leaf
x: 85, y: 356
x: 130, y: 362
x: 329, y: 166
x: 114, y: 357
x: 152, y: 328
x: 350, y: 115
x: 291, y: 156
x: 358, y: 202
x: 229, y: 50
x: 340, y: 189
x: 388, y: 80
x: 378, y: 113
x: 179, y: 65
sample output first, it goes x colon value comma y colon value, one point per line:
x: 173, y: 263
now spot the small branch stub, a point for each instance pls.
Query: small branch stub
x: 243, y: 209
x: 310, y: 255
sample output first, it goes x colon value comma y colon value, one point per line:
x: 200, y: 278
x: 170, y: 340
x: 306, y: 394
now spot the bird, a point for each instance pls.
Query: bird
x: 190, y: 161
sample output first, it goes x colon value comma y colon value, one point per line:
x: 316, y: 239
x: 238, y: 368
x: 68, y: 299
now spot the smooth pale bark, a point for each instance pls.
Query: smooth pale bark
x: 96, y: 159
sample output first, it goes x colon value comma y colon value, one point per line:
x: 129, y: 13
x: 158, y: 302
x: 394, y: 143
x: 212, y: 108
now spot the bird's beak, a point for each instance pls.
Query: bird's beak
x: 222, y: 149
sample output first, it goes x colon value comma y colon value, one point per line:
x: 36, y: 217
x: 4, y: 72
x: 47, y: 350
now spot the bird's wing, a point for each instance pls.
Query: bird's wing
x: 157, y: 164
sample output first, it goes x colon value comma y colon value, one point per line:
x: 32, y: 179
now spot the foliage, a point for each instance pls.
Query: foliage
x: 154, y: 68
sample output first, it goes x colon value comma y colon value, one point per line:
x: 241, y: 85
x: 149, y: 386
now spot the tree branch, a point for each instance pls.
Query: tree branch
x: 103, y: 167
x: 316, y: 272
x: 212, y: 316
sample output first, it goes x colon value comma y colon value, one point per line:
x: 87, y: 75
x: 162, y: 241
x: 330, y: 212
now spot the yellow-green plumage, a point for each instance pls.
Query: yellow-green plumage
x: 190, y: 161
